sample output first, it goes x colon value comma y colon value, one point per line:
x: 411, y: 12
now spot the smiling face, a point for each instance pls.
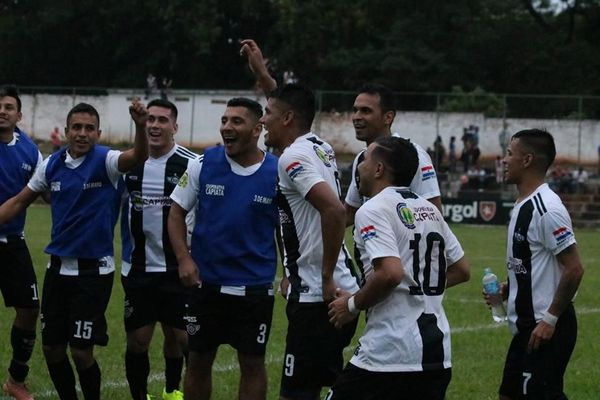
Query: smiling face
x: 367, y: 171
x: 240, y: 130
x: 514, y: 162
x: 161, y: 126
x: 82, y: 133
x: 368, y: 118
x: 274, y: 123
x: 9, y: 114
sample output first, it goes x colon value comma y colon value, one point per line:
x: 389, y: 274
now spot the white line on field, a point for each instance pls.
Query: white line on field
x: 270, y: 359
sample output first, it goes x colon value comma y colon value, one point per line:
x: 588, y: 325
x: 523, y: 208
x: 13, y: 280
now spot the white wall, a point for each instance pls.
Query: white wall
x: 200, y: 115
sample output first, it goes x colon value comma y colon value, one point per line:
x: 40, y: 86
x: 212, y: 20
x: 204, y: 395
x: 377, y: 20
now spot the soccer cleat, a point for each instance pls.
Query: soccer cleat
x: 16, y: 390
x: 174, y: 395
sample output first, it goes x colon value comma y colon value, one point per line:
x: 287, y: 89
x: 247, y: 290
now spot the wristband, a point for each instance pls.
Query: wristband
x: 550, y: 319
x: 352, y: 307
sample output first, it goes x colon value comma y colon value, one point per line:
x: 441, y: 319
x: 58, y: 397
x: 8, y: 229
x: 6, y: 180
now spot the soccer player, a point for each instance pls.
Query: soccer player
x: 19, y: 157
x: 373, y: 114
x: 544, y: 272
x: 315, y: 260
x: 410, y: 257
x: 83, y: 179
x: 153, y: 291
x: 232, y: 263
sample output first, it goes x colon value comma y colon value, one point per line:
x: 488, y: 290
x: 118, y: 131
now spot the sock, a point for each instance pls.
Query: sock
x: 173, y: 368
x: 63, y: 379
x: 89, y: 379
x: 22, y: 342
x: 137, y: 369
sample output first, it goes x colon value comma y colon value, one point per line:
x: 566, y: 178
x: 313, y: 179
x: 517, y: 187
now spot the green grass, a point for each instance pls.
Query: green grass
x: 478, y: 349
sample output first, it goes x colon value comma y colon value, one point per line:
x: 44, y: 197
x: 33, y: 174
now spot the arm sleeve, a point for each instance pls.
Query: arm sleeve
x: 425, y: 181
x: 556, y: 232
x: 377, y: 234
x: 186, y: 192
x: 112, y: 166
x: 453, y: 249
x: 38, y: 182
x: 299, y: 171
x: 353, y: 198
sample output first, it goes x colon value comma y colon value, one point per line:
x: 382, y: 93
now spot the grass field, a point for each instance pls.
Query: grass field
x: 479, y: 345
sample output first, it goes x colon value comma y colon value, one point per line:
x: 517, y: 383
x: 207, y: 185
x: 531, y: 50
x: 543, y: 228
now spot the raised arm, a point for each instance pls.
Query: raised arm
x: 258, y: 65
x: 129, y: 159
x: 333, y: 226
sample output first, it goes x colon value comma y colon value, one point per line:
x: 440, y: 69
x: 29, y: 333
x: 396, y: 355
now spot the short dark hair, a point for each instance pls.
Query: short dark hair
x: 539, y: 142
x: 300, y: 99
x: 83, y: 108
x: 253, y: 106
x: 11, y: 91
x: 387, y: 100
x: 164, y: 104
x: 399, y: 157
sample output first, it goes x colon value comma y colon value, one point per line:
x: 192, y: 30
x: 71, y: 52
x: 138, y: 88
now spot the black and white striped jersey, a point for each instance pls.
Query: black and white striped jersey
x: 408, y: 330
x: 146, y: 244
x: 540, y: 228
x: 305, y: 163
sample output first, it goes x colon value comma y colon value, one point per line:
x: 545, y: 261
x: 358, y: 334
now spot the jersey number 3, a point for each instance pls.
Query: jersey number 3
x: 422, y: 273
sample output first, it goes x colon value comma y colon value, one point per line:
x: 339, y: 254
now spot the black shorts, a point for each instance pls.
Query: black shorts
x: 314, y: 350
x: 358, y: 384
x: 161, y: 300
x: 539, y: 375
x: 73, y: 309
x: 215, y: 318
x: 17, y: 276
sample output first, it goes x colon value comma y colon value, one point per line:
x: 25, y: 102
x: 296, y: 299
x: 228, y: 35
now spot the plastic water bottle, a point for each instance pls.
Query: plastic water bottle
x: 491, y: 287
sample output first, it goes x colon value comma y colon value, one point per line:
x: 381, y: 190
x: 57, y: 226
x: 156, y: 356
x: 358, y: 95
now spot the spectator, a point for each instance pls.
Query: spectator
x: 55, y: 139
x: 452, y: 154
x: 580, y: 178
x: 439, y: 152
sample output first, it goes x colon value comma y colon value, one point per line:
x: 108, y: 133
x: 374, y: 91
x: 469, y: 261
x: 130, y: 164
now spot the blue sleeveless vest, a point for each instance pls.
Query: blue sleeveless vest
x: 17, y: 164
x: 84, y: 206
x: 233, y: 240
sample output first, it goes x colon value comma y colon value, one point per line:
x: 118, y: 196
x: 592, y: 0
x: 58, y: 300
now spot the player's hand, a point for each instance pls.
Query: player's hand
x: 339, y: 314
x: 138, y: 112
x: 188, y: 273
x: 329, y: 289
x: 542, y: 333
x: 256, y: 61
x: 283, y: 286
x: 490, y: 299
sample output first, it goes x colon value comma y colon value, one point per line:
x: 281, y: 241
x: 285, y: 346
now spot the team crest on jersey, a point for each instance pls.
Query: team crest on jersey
x: 184, y: 180
x: 487, y: 210
x: 323, y: 156
x: 368, y: 233
x: 427, y: 172
x: 55, y: 186
x: 26, y: 167
x: 294, y: 169
x: 519, y: 237
x: 406, y: 215
x: 174, y: 179
x: 562, y: 234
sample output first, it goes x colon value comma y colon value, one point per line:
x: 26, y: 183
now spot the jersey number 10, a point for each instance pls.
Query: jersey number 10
x: 425, y: 286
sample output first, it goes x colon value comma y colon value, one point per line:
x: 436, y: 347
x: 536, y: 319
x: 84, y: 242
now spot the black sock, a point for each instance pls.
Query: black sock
x: 22, y: 342
x: 137, y: 369
x: 63, y: 379
x: 89, y: 379
x: 173, y: 368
